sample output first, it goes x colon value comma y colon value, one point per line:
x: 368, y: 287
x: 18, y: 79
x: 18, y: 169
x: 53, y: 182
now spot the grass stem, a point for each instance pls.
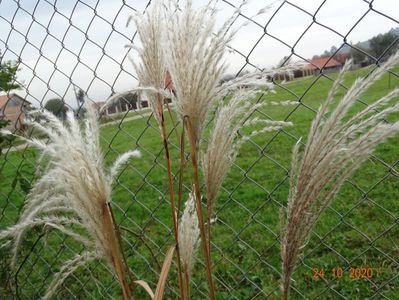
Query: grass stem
x: 197, y: 193
x: 115, y: 254
x: 171, y: 192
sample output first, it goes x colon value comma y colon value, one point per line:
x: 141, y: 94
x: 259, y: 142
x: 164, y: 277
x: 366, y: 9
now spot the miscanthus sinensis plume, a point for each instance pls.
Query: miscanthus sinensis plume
x: 151, y: 72
x: 73, y: 196
x: 151, y: 65
x: 337, y: 145
x: 225, y: 138
x: 195, y: 54
x: 189, y: 234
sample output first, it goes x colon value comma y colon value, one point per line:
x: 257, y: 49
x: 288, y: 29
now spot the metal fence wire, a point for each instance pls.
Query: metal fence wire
x: 359, y: 230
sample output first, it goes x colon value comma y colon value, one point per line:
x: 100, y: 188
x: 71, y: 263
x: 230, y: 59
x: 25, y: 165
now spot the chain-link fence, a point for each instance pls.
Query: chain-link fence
x: 64, y: 46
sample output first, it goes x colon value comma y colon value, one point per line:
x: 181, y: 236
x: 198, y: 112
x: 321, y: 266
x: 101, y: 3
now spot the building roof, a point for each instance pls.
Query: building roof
x: 342, y: 57
x: 4, y: 99
x: 324, y: 62
x: 98, y: 104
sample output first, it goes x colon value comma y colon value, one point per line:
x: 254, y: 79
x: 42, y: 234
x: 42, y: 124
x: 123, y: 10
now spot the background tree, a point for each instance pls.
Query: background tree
x: 4, y: 138
x: 382, y: 42
x: 359, y: 57
x: 80, y: 99
x: 286, y: 60
x: 57, y: 107
x: 333, y: 50
x: 8, y: 75
x: 325, y: 54
x: 226, y: 77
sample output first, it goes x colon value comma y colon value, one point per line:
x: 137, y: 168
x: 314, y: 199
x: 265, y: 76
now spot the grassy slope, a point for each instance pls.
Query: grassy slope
x: 358, y: 230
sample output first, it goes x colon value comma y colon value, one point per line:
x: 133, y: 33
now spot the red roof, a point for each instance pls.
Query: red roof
x: 341, y: 57
x: 4, y: 99
x: 319, y: 63
x: 98, y: 105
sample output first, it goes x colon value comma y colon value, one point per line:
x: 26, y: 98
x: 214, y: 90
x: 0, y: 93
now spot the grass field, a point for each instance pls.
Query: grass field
x: 360, y: 229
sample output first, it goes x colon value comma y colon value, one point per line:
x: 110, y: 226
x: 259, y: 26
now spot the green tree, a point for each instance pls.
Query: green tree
x: 8, y: 75
x: 57, y: 107
x: 286, y: 60
x: 80, y: 97
x: 358, y: 56
x: 4, y: 138
x: 333, y: 49
x: 381, y: 43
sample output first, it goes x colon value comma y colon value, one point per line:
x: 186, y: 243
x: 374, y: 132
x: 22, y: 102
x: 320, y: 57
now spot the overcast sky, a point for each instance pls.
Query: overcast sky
x: 49, y: 36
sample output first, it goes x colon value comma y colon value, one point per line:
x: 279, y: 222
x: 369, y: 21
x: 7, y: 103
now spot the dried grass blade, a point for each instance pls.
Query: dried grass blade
x: 146, y: 287
x: 164, y: 274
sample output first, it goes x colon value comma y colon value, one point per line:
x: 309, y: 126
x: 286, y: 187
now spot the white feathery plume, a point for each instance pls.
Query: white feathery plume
x: 121, y: 160
x: 225, y: 141
x: 67, y: 269
x: 189, y: 235
x: 335, y: 148
x: 152, y: 72
x: 5, y: 132
x: 75, y: 190
x: 151, y: 68
x: 195, y: 57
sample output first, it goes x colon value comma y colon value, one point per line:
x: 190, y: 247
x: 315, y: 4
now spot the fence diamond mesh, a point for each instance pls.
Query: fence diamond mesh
x: 63, y: 46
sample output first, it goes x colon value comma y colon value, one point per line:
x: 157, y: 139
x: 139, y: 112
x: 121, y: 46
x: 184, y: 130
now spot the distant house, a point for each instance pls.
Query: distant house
x: 14, y: 108
x: 98, y: 105
x: 327, y: 64
x: 342, y: 57
x: 132, y: 100
x: 121, y: 104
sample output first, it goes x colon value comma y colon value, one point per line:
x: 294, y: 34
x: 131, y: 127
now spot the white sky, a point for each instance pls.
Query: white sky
x: 103, y: 62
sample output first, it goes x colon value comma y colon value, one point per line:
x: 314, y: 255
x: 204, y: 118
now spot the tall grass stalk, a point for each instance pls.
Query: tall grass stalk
x: 151, y: 71
x: 336, y: 146
x: 195, y: 56
x: 225, y: 141
x: 74, y: 195
x: 197, y: 194
x: 172, y: 197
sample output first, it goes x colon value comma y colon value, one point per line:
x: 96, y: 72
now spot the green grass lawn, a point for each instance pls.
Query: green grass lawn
x: 360, y: 229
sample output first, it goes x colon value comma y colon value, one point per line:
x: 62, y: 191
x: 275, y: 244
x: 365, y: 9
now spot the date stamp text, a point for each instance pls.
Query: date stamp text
x: 338, y: 272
